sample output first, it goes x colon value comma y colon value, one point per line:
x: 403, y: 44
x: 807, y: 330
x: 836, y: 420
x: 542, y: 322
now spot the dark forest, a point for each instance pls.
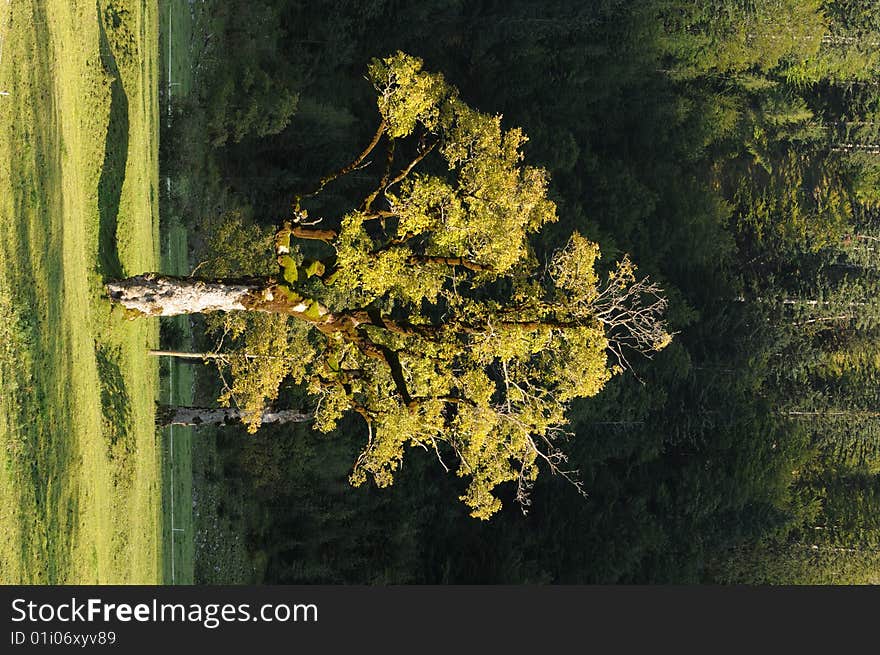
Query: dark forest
x: 730, y: 147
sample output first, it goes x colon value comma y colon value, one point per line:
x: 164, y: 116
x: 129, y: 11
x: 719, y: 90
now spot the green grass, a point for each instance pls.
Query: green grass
x: 80, y: 484
x: 176, y: 388
x: 175, y: 23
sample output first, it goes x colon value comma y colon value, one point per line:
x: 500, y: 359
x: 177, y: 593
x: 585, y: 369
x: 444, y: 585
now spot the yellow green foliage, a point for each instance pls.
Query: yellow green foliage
x: 407, y: 94
x: 367, y: 272
x: 269, y: 348
x: 573, y: 267
x: 427, y: 203
x: 490, y: 203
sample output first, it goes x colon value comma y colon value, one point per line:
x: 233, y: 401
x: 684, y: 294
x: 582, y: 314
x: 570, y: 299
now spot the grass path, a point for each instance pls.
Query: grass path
x: 175, y: 35
x: 177, y: 389
x: 80, y: 486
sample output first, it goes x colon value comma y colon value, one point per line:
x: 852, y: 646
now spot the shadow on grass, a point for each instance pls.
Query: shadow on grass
x: 115, y: 414
x: 115, y: 160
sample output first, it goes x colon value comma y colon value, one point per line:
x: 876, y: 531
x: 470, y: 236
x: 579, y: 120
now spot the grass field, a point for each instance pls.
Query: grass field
x: 81, y: 475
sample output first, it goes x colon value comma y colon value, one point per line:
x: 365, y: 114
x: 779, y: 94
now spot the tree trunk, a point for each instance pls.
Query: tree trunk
x: 855, y: 413
x: 186, y: 355
x: 870, y: 148
x: 198, y: 416
x: 153, y: 294
x: 165, y: 295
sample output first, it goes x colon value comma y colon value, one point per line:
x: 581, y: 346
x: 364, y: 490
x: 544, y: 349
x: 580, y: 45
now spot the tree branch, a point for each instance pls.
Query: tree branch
x: 372, y: 216
x: 383, y: 126
x: 454, y: 400
x: 450, y: 261
x: 383, y: 184
x: 415, y: 162
x: 327, y: 236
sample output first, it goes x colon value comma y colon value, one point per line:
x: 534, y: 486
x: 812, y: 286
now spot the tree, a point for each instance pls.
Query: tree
x: 252, y: 94
x: 427, y: 311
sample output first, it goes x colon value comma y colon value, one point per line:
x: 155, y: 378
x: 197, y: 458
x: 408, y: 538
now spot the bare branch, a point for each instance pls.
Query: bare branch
x: 415, y: 162
x: 383, y: 184
x: 450, y: 261
x: 383, y: 126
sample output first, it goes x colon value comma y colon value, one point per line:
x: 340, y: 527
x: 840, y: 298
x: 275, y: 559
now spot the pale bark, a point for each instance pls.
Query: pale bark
x: 182, y: 354
x: 832, y: 413
x: 188, y: 357
x: 161, y: 295
x: 154, y: 294
x: 871, y: 148
x: 199, y: 416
